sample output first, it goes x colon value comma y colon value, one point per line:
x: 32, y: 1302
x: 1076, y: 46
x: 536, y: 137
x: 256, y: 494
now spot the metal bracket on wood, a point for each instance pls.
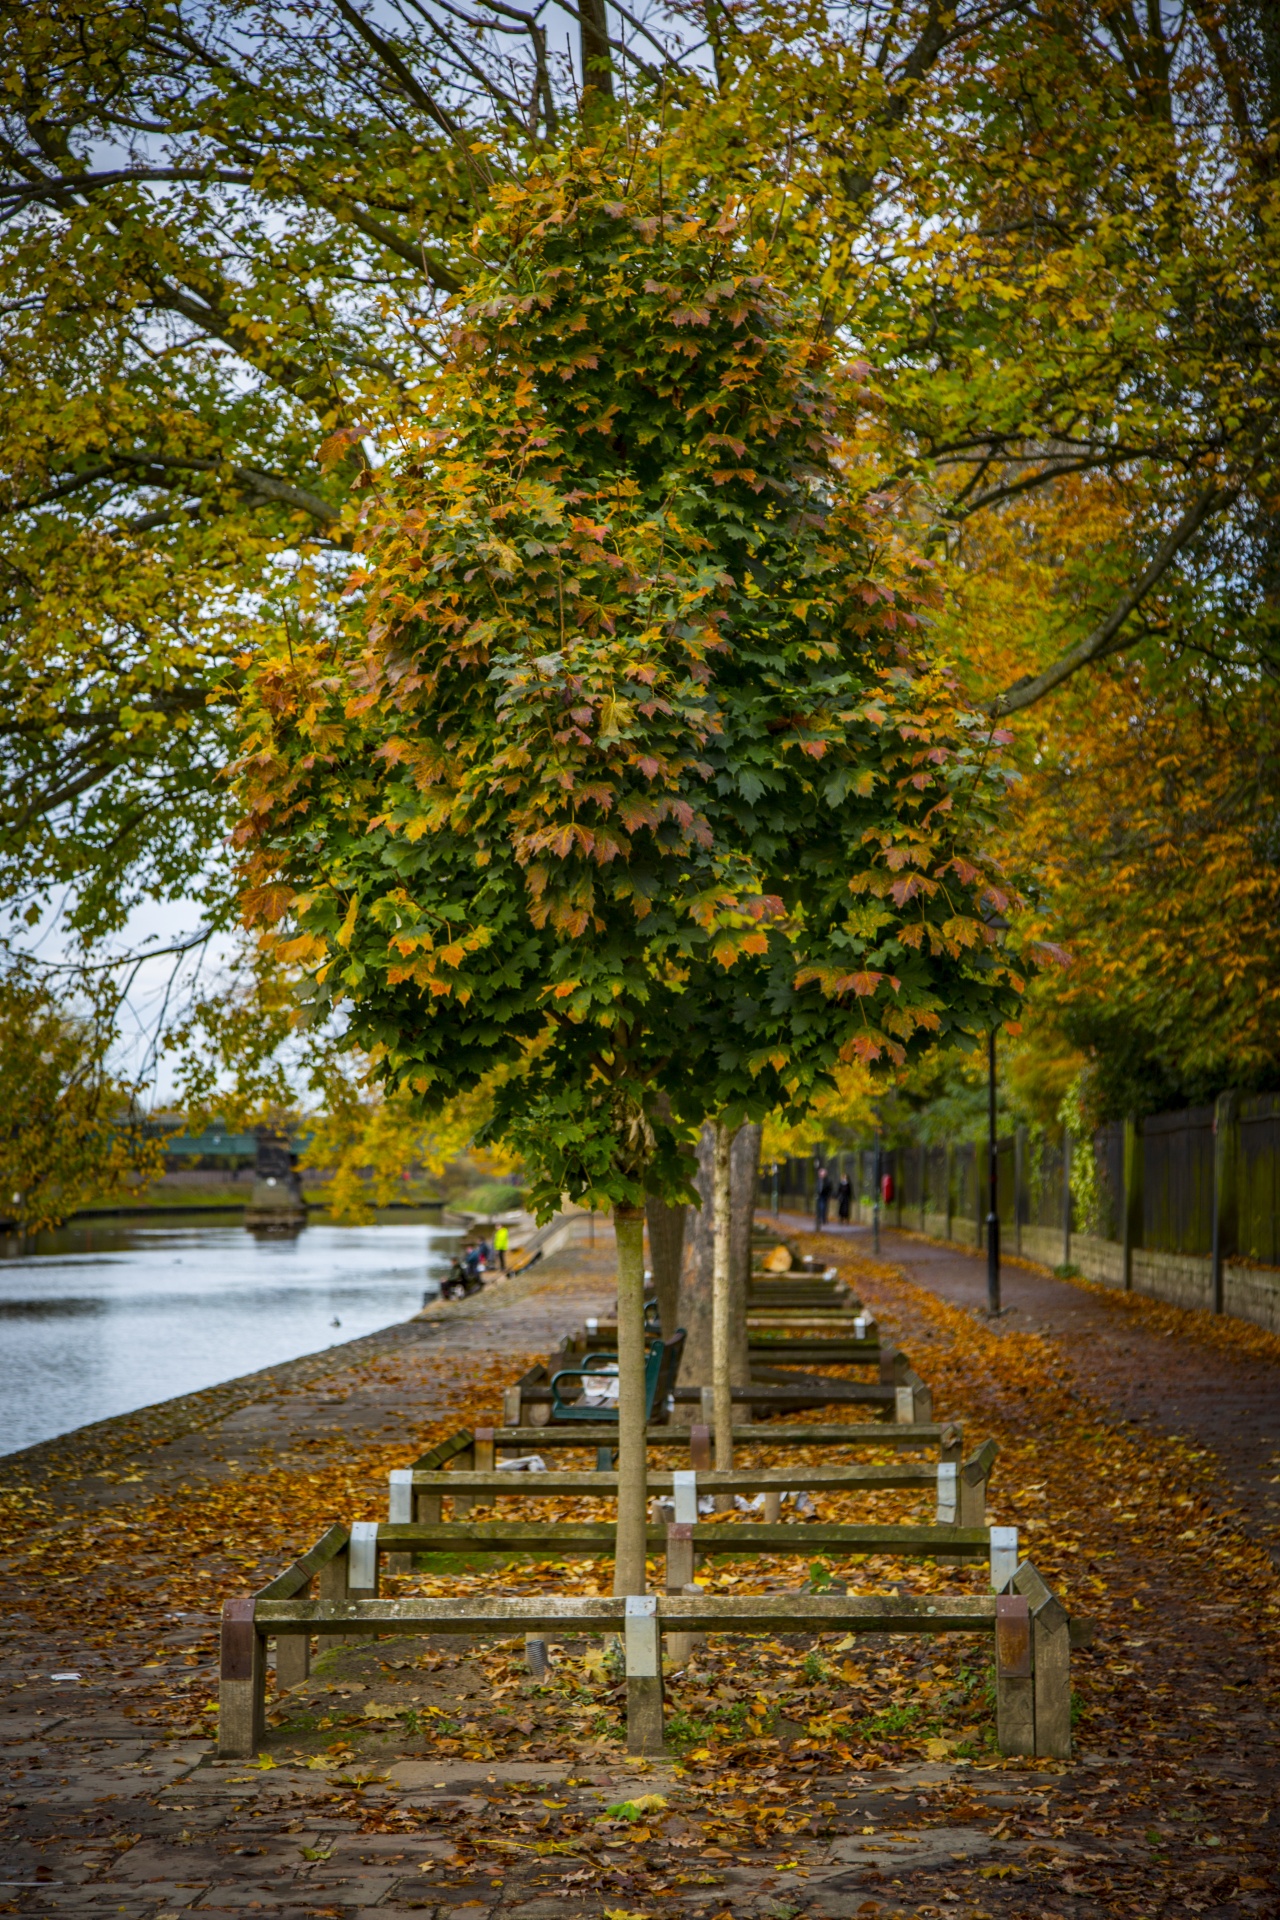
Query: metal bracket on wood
x: 1004, y: 1557
x: 362, y: 1573
x: 642, y: 1645
x: 400, y: 1513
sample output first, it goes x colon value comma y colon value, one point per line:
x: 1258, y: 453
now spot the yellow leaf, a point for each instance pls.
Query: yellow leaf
x: 348, y: 927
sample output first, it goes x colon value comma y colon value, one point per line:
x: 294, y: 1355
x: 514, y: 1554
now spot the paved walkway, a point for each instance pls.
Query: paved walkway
x: 362, y: 1811
x: 1162, y: 1380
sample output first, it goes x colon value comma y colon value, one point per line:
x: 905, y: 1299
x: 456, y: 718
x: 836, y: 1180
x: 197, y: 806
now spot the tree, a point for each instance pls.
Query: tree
x: 639, y: 649
x: 72, y: 1133
x: 231, y: 229
x: 247, y: 1054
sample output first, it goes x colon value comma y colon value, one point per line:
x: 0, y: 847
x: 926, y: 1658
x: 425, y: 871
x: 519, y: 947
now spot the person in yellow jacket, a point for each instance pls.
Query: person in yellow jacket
x: 501, y: 1241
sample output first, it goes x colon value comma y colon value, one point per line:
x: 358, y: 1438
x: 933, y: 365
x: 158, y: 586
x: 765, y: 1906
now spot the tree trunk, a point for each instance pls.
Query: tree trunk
x: 746, y: 1178
x: 699, y: 1264
x: 629, y: 1544
x: 722, y: 1293
x: 666, y: 1252
x: 597, y: 61
x: 695, y: 1278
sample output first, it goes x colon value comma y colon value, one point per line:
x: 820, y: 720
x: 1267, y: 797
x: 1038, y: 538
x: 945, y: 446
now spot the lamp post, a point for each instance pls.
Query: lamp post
x: 993, y: 1177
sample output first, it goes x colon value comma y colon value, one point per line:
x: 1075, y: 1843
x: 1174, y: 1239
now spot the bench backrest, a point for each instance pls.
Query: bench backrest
x: 661, y: 1372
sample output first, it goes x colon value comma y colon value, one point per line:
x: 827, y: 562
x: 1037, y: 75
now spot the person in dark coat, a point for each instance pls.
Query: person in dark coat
x: 825, y: 1191
x: 844, y: 1199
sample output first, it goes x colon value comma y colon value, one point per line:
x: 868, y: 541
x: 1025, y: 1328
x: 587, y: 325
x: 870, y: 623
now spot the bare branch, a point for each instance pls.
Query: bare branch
x: 411, y: 86
x: 1025, y: 693
x: 56, y: 185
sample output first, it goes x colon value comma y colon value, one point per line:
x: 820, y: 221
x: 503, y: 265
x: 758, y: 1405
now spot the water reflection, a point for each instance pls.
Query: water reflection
x: 108, y: 1316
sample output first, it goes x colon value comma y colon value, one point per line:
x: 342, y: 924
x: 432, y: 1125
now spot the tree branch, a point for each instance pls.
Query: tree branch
x: 1025, y: 693
x: 412, y: 88
x: 265, y: 485
x: 122, y: 176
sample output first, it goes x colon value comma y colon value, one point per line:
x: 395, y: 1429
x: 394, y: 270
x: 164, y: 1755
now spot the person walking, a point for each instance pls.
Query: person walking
x: 501, y: 1241
x: 824, y: 1196
x: 844, y: 1199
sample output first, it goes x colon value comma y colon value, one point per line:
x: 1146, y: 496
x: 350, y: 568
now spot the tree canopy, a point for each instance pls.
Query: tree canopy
x: 644, y: 708
x: 231, y: 225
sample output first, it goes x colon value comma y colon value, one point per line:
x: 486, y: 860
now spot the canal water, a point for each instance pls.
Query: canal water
x: 103, y: 1317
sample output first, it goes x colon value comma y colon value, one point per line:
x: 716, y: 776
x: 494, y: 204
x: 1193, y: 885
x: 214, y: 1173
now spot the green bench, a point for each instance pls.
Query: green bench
x: 661, y: 1366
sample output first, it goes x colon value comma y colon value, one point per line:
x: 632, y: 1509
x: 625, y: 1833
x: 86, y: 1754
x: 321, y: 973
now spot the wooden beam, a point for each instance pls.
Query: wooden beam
x: 550, y: 1539
x: 542, y: 1486
x: 871, y: 1433
x: 305, y: 1568
x: 566, y: 1616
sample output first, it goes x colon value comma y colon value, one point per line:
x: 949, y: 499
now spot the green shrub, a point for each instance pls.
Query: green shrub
x: 489, y: 1200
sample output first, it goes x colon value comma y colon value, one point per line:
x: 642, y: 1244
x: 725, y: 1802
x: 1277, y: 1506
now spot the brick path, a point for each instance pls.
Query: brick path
x: 104, y: 1817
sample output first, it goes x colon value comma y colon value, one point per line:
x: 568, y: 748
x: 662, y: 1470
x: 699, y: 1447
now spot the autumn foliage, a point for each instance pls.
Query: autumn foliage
x: 645, y: 705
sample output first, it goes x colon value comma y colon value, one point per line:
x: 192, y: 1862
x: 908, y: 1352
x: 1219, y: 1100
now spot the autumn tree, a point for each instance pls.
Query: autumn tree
x: 644, y: 780
x: 231, y: 228
x: 72, y: 1131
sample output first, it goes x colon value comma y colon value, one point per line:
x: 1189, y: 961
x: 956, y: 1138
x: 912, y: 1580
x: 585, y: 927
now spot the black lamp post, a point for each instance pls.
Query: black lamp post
x: 993, y: 1177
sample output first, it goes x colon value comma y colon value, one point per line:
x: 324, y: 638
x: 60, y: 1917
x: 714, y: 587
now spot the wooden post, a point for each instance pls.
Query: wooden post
x: 700, y: 1447
x: 1131, y: 1202
x: 1050, y: 1664
x: 644, y: 1674
x: 1015, y: 1696
x: 512, y: 1410
x: 1002, y: 1547
x: 947, y: 1176
x: 484, y: 1453
x: 293, y: 1652
x: 1066, y: 1196
x: 462, y: 1502
x: 973, y: 1478
x: 680, y: 1646
x: 912, y: 1402
x: 924, y: 1183
x: 1019, y: 1184
x: 1226, y: 1159
x: 242, y: 1698
x: 333, y: 1587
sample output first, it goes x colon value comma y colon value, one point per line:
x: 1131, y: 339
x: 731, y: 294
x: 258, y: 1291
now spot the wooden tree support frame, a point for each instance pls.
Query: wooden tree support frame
x: 411, y: 1487
x: 1033, y: 1695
